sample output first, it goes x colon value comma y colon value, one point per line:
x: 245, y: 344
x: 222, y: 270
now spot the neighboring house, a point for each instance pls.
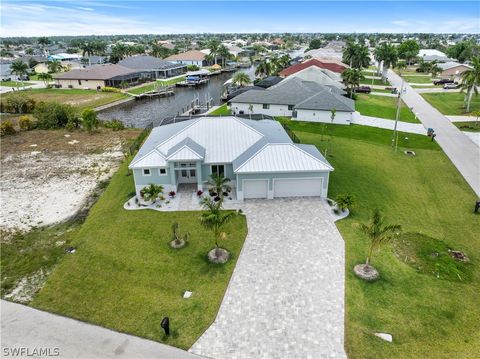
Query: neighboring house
x: 5, y: 72
x: 319, y: 75
x: 153, y: 67
x: 64, y: 57
x: 330, y: 66
x: 269, y: 81
x: 98, y: 76
x: 258, y: 157
x: 430, y: 52
x: 325, y: 53
x: 94, y: 60
x: 192, y: 57
x: 41, y: 68
x: 430, y: 58
x: 450, y: 69
x: 301, y: 100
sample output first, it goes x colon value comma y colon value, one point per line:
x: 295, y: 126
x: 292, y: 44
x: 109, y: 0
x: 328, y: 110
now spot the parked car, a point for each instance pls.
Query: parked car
x: 443, y: 82
x: 362, y: 89
x: 450, y: 86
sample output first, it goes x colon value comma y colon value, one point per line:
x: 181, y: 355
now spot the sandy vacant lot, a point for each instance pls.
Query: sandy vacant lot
x: 48, y: 176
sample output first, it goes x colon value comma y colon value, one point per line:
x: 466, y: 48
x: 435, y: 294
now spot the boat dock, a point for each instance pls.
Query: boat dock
x: 162, y: 91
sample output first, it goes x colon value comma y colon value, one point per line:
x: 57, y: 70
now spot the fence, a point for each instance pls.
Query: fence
x: 139, y: 140
x: 290, y: 133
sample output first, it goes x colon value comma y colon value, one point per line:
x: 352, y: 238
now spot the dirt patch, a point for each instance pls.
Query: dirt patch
x: 48, y: 176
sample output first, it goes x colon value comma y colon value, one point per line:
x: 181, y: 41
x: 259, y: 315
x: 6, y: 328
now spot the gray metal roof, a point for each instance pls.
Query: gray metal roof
x: 190, y: 144
x: 326, y: 101
x: 312, y: 150
x: 146, y: 62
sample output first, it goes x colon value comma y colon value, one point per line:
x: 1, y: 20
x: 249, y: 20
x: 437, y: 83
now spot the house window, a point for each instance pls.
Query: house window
x: 146, y: 172
x: 162, y: 171
x: 265, y: 106
x: 290, y: 107
x: 218, y: 170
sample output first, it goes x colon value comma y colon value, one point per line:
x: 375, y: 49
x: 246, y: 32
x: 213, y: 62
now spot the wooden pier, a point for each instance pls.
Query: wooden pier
x: 163, y: 91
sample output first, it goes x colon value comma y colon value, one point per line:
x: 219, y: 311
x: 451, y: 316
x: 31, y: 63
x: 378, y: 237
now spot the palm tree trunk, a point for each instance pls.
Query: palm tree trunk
x: 469, y: 100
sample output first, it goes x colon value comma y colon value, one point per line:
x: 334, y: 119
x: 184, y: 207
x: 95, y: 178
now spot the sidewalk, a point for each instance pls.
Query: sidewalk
x: 408, y: 127
x: 27, y: 328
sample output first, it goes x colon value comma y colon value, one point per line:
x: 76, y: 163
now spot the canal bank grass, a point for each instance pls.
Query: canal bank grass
x: 383, y: 107
x: 452, y: 103
x: 221, y: 111
x: 124, y: 276
x: 429, y: 317
x: 77, y: 97
x: 153, y: 85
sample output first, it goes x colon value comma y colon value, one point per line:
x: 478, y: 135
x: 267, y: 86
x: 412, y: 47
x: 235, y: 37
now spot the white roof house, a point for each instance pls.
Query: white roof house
x: 254, y: 155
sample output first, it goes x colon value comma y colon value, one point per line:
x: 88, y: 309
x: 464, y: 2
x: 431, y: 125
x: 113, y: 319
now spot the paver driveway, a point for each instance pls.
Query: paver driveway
x: 286, y: 295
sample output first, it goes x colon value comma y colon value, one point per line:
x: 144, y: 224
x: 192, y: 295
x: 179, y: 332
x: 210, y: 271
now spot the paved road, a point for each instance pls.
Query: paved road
x: 286, y: 295
x: 25, y: 327
x: 464, y: 154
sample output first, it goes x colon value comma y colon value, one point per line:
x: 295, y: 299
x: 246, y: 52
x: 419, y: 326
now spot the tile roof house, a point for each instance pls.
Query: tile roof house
x: 331, y: 66
x: 258, y: 157
x: 98, y: 76
x: 192, y: 57
x: 299, y: 99
x: 153, y: 67
x: 452, y: 68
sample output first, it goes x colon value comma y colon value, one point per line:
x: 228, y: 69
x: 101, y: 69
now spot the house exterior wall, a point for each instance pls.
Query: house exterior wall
x: 274, y: 110
x: 207, y: 171
x: 155, y: 177
x: 453, y: 71
x: 341, y: 118
x: 81, y: 84
x: 189, y: 62
x: 272, y: 176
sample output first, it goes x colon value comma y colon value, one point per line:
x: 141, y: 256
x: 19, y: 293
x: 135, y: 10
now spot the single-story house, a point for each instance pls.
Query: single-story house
x: 98, y: 76
x: 258, y: 157
x: 325, y: 53
x: 94, y: 60
x: 192, y: 57
x: 330, y: 66
x: 451, y: 68
x: 301, y: 100
x: 431, y: 52
x: 321, y: 76
x: 431, y: 58
x: 6, y: 72
x: 153, y: 67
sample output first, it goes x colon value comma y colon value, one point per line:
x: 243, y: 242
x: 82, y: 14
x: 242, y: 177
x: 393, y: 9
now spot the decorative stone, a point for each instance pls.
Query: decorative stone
x: 385, y: 336
x: 177, y: 244
x: 409, y: 153
x: 187, y: 294
x: 218, y: 255
x: 366, y: 272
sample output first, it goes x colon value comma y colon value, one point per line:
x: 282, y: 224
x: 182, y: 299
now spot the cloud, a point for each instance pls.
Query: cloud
x: 401, y: 22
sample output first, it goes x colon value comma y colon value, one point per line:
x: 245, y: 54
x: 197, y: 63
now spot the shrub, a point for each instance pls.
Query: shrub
x: 199, y: 193
x: 193, y: 68
x: 25, y: 123
x: 89, y: 119
x: 18, y: 102
x: 344, y: 201
x: 172, y: 194
x: 6, y: 128
x: 115, y: 125
x: 151, y: 192
x: 55, y: 115
x: 109, y: 89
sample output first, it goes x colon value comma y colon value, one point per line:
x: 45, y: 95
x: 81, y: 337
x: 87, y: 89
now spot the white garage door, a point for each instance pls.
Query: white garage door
x: 255, y: 188
x: 297, y: 187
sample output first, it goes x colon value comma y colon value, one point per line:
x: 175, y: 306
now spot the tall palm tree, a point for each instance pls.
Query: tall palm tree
x: 19, y: 68
x: 214, y: 45
x: 470, y: 80
x: 45, y: 77
x: 435, y: 69
x: 87, y: 49
x: 54, y: 66
x: 361, y: 57
x: 351, y: 78
x: 263, y: 69
x: 349, y: 53
x: 241, y: 79
x: 214, y: 219
x: 386, y: 54
x: 378, y: 233
x: 223, y: 53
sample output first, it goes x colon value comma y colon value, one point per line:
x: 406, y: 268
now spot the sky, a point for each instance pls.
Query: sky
x: 106, y: 17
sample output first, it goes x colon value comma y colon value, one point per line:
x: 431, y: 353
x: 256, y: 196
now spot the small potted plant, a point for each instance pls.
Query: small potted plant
x: 172, y: 194
x: 199, y: 193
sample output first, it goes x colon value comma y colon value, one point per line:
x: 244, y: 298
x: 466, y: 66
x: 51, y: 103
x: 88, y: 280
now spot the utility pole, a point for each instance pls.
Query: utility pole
x: 399, y: 103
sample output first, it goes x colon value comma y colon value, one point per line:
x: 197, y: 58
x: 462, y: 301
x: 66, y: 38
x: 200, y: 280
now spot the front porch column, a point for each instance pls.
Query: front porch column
x: 173, y: 179
x: 199, y: 176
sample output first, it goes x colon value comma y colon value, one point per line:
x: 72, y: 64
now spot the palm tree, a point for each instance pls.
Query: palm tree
x: 19, y: 68
x: 87, y: 49
x: 357, y: 55
x: 214, y: 219
x: 470, y: 80
x: 387, y: 54
x: 401, y: 65
x: 214, y: 45
x: 263, y: 69
x: 54, y: 66
x: 219, y: 184
x: 223, y: 53
x: 435, y: 69
x: 45, y: 77
x: 351, y: 78
x: 378, y: 233
x: 43, y: 42
x: 349, y: 53
x: 241, y: 79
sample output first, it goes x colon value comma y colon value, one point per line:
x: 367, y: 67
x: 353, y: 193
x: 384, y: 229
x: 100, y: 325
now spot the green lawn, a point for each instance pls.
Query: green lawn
x: 468, y: 126
x: 451, y: 103
x: 375, y: 82
x: 77, y: 97
x: 14, y: 83
x: 418, y: 79
x: 221, y: 111
x: 153, y: 85
x: 124, y: 275
x: 384, y: 107
x: 428, y: 317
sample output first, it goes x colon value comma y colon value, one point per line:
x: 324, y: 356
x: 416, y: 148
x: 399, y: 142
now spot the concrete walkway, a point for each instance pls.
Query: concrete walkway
x: 437, y: 89
x: 462, y: 118
x: 464, y: 154
x: 28, y: 328
x: 408, y: 127
x: 286, y: 295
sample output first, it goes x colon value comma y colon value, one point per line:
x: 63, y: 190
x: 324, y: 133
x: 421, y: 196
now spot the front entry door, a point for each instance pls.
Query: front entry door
x: 188, y: 176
